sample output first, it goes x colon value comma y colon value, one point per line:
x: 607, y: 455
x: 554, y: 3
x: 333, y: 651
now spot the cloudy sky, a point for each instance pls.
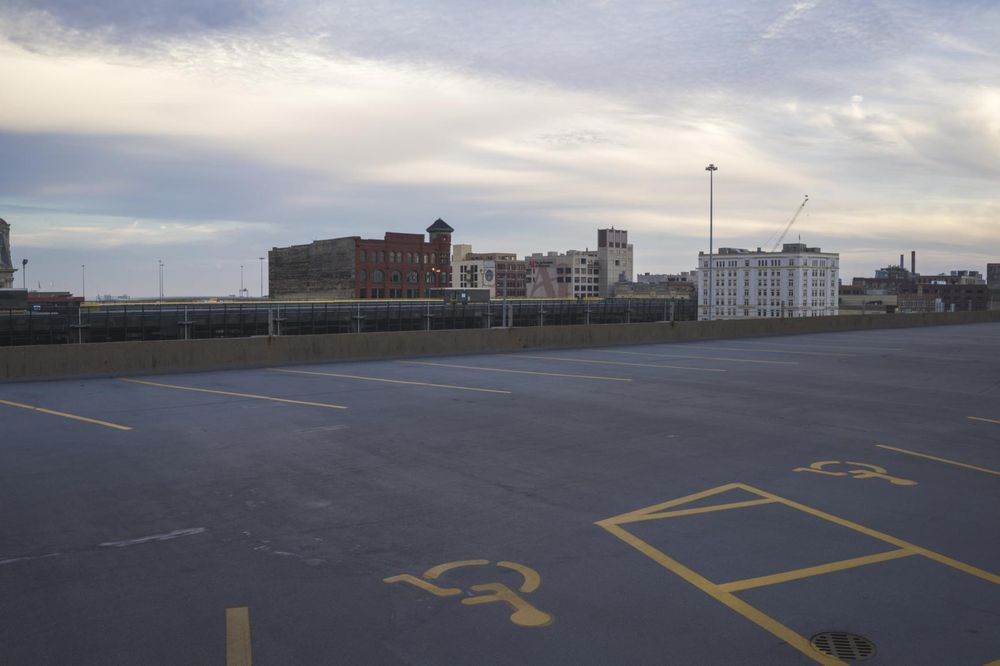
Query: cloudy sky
x: 204, y: 132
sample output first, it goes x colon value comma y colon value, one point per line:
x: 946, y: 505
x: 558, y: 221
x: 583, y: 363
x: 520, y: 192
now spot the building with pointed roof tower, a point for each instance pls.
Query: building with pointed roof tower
x: 396, y: 266
x: 7, y: 269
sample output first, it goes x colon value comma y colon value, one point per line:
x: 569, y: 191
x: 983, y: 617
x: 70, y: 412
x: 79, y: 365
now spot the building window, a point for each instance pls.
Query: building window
x: 378, y: 293
x: 412, y: 277
x: 395, y: 293
x: 380, y: 257
x: 362, y: 275
x: 394, y: 276
x: 361, y: 255
x: 412, y: 293
x: 361, y: 293
x: 377, y: 276
x: 430, y: 277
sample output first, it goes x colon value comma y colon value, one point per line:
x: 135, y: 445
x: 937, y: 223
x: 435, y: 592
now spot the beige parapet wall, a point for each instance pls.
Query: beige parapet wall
x: 140, y: 358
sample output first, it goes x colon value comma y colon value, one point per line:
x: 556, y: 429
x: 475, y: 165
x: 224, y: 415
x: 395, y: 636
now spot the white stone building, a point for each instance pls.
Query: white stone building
x: 799, y: 281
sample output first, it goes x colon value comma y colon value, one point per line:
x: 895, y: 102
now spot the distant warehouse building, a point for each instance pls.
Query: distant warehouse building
x: 397, y: 266
x: 799, y: 281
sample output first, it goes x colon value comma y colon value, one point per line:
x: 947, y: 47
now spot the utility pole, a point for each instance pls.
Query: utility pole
x: 83, y: 279
x: 24, y: 274
x: 711, y: 169
x: 261, y: 278
x: 160, y: 262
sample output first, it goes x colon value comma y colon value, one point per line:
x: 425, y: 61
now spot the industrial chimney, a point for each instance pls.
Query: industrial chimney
x: 913, y: 262
x: 902, y: 264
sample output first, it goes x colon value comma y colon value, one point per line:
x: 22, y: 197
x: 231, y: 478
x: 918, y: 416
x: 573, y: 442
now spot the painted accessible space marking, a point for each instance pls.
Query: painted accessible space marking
x: 937, y: 459
x: 235, y: 395
x: 389, y: 381
x: 702, y: 358
x: 74, y: 417
x: 517, y: 372
x: 636, y: 365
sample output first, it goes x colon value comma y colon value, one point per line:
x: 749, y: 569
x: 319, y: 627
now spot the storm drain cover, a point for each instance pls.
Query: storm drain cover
x: 842, y: 645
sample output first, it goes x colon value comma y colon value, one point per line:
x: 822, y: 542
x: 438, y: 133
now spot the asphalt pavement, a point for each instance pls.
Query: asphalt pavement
x: 723, y: 502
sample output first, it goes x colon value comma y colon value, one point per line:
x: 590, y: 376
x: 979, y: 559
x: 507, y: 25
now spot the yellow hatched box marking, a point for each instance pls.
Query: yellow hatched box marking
x: 725, y: 592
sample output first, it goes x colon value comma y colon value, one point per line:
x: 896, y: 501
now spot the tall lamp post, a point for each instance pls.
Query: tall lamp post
x: 24, y: 274
x: 261, y: 277
x: 83, y: 280
x: 711, y: 169
x: 241, y: 281
x: 160, y: 262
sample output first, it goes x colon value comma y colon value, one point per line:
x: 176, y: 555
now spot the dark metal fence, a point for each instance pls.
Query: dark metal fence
x: 171, y: 321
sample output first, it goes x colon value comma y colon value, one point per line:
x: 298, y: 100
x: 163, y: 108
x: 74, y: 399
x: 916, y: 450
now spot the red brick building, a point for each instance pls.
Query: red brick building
x: 396, y: 266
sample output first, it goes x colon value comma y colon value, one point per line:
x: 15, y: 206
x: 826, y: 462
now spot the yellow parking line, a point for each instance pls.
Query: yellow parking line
x: 637, y: 365
x: 944, y: 460
x: 43, y: 410
x: 703, y: 358
x: 807, y: 572
x: 238, y: 636
x: 389, y: 381
x: 980, y: 418
x: 639, y: 517
x: 518, y: 372
x: 237, y: 395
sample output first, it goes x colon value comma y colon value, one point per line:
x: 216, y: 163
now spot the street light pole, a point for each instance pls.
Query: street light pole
x: 160, y: 262
x: 241, y: 280
x: 711, y: 169
x: 261, y: 277
x: 24, y: 274
x: 83, y: 279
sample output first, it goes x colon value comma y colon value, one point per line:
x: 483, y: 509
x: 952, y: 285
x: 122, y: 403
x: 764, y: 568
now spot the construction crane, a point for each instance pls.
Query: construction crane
x: 777, y: 245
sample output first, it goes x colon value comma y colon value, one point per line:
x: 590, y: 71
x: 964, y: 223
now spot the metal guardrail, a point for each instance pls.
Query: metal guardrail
x: 179, y: 321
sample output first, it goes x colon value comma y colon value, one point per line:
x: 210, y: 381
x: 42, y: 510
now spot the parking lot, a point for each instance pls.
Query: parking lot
x: 718, y: 502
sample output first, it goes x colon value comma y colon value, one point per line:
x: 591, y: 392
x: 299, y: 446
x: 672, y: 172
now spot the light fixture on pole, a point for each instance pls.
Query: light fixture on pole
x: 24, y: 274
x: 160, y: 262
x: 711, y: 169
x: 261, y: 277
x: 83, y: 280
x: 241, y: 281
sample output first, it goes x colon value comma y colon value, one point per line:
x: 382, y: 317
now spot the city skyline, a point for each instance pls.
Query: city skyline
x: 205, y: 135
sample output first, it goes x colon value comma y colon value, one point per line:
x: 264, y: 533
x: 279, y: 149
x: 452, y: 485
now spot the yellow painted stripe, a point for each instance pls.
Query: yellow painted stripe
x: 516, y: 372
x: 622, y: 520
x: 637, y: 365
x: 531, y: 578
x: 238, y: 636
x: 702, y: 358
x: 818, y: 570
x: 645, y: 511
x: 43, y: 410
x: 980, y: 418
x: 944, y: 460
x: 930, y: 554
x: 388, y: 381
x: 764, y: 621
x: 237, y: 395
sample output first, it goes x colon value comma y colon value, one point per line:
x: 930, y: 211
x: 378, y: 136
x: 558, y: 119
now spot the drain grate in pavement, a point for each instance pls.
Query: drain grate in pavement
x: 844, y: 646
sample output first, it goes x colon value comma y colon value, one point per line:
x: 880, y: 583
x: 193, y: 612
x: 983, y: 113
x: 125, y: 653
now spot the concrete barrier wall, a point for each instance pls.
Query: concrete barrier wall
x: 136, y: 358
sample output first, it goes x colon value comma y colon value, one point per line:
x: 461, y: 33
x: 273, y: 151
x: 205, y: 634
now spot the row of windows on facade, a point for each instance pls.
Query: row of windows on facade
x: 378, y: 257
x: 381, y: 292
x: 413, y: 277
x: 771, y: 262
x: 731, y: 312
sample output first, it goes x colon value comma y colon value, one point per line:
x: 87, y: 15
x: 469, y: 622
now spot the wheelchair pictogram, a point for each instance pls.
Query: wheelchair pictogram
x: 867, y: 471
x: 524, y: 615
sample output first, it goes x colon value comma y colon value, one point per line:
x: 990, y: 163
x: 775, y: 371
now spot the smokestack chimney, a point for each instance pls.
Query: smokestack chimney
x: 913, y: 261
x: 902, y: 264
